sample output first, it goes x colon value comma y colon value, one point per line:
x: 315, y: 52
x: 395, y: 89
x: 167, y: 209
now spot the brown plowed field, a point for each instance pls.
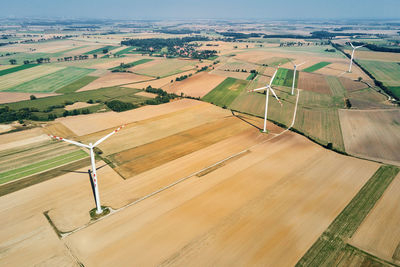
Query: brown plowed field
x: 137, y: 160
x: 351, y: 85
x: 379, y: 234
x: 313, y: 82
x: 196, y: 86
x: 373, y: 134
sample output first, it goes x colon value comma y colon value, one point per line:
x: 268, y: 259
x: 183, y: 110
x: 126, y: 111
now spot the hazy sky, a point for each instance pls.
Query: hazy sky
x: 217, y: 9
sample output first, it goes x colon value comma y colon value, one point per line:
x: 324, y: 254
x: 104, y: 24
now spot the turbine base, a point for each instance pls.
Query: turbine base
x: 94, y: 215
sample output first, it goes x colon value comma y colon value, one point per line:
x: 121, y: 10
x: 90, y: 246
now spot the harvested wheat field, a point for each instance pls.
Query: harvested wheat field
x: 158, y: 83
x: 196, y: 86
x: 114, y: 79
x: 352, y: 85
x: 313, y: 82
x: 87, y: 124
x: 252, y: 211
x: 78, y: 105
x: 239, y: 203
x: 374, y: 55
x: 9, y: 97
x: 372, y: 134
x: 22, y: 138
x: 379, y: 233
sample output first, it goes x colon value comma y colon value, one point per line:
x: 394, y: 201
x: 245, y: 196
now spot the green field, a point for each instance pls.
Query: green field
x: 100, y: 50
x: 284, y: 77
x: 51, y: 82
x: 132, y: 64
x: 337, y: 89
x: 17, y: 68
x: 386, y: 72
x: 41, y: 166
x: 226, y: 92
x: 76, y: 85
x: 331, y: 248
x: 317, y: 66
x: 251, y: 76
x: 100, y: 96
x: 124, y: 51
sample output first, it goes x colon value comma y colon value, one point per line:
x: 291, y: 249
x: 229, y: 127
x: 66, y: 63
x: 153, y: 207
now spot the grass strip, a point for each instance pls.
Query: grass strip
x: 317, y: 66
x: 330, y: 245
x: 18, y: 68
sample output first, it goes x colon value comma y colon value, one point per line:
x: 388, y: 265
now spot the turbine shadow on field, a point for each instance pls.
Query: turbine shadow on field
x: 246, y: 121
x: 82, y: 171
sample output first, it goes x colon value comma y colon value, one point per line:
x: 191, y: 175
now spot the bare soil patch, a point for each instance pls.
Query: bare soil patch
x: 313, y: 82
x: 78, y: 105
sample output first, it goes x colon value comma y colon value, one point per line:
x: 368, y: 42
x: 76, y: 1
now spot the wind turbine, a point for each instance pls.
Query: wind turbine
x: 267, y: 88
x: 294, y: 74
x: 93, y: 177
x: 352, y: 54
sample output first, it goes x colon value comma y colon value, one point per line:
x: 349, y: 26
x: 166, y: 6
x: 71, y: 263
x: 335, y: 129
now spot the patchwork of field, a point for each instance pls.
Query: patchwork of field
x: 196, y: 86
x: 372, y: 134
x: 332, y: 247
x: 23, y: 156
x: 20, y: 77
x: 51, y: 82
x: 379, y: 233
x: 159, y: 83
x: 217, y: 218
x: 114, y: 79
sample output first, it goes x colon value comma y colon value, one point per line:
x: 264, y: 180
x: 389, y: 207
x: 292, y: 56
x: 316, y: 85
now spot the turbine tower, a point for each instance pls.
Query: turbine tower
x: 94, y: 176
x: 352, y: 54
x: 267, y: 88
x: 294, y: 74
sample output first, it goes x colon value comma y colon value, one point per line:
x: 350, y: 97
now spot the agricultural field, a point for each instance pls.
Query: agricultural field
x: 373, y: 134
x: 76, y: 85
x: 284, y: 77
x: 15, y: 69
x: 317, y: 66
x: 313, y: 82
x: 196, y: 86
x: 226, y: 92
x: 378, y: 234
x: 164, y: 67
x: 115, y: 79
x: 51, y: 82
x: 9, y: 97
x: 386, y: 72
x: 182, y: 204
x: 100, y: 50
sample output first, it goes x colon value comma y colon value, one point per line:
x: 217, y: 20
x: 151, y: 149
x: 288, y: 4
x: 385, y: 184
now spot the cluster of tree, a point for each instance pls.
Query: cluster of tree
x: 155, y: 44
x: 178, y: 31
x: 240, y: 35
x: 347, y: 103
x: 202, y: 69
x: 118, y: 106
x: 67, y: 113
x: 378, y: 48
x: 203, y: 54
x: 183, y: 77
x: 7, y: 114
x: 70, y: 58
x: 162, y: 96
x: 330, y: 50
x: 330, y: 35
x: 212, y: 44
x: 7, y: 54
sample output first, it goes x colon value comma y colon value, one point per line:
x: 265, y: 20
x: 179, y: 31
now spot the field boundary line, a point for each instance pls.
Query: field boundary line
x: 113, y: 211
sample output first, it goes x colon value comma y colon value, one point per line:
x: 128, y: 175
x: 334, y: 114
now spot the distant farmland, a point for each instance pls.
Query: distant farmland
x: 100, y: 50
x: 15, y: 69
x: 52, y: 82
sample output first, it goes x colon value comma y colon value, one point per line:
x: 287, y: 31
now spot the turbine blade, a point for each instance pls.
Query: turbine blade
x: 273, y: 92
x: 273, y: 77
x: 258, y: 89
x: 302, y: 63
x: 352, y: 45
x: 108, y: 135
x: 69, y: 141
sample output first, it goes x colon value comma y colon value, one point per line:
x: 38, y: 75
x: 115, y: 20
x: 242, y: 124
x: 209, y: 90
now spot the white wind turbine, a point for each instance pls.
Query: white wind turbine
x: 352, y: 54
x: 294, y: 74
x: 267, y: 88
x: 94, y: 177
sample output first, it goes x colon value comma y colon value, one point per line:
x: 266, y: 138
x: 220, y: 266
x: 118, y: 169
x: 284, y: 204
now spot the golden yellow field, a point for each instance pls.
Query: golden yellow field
x: 240, y: 198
